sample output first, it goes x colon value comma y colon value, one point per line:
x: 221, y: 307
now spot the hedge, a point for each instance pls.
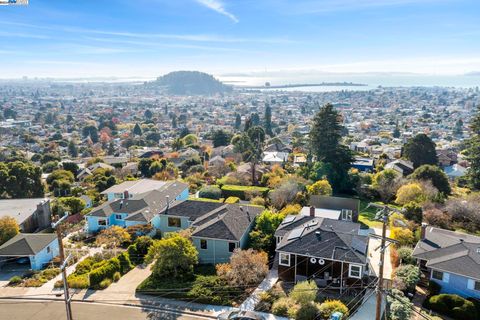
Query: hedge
x: 210, y: 192
x: 452, y: 305
x: 239, y: 191
x: 106, y: 271
x: 232, y: 200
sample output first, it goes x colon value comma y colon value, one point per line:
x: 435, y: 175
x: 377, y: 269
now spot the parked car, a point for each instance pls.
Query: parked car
x: 240, y: 315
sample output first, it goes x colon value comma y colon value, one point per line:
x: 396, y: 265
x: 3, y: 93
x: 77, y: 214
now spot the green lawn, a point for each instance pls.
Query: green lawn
x: 367, y: 215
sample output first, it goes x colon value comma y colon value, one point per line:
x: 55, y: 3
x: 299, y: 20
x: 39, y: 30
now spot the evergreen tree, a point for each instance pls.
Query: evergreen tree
x: 137, y: 130
x: 458, y: 130
x: 255, y: 119
x: 396, y: 131
x: 111, y: 148
x: 174, y: 121
x: 473, y: 153
x: 238, y: 121
x: 72, y: 149
x: 420, y: 150
x: 148, y: 114
x: 221, y: 138
x: 325, y: 143
x: 268, y: 120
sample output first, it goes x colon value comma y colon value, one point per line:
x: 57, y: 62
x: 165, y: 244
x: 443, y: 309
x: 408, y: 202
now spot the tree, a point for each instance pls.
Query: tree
x: 411, y: 192
x: 176, y: 256
x: 399, y: 306
x: 113, y: 237
x: 321, y: 187
x: 8, y: 229
x: 221, y: 138
x: 144, y: 166
x: 458, y: 130
x: 238, y: 121
x: 174, y: 121
x: 70, y: 166
x: 268, y: 120
x: 250, y: 144
x: 325, y: 137
x: 420, y: 150
x: 20, y: 179
x: 73, y: 204
x: 396, y: 132
x: 148, y: 114
x: 246, y: 268
x: 473, y: 153
x: 435, y: 175
x: 137, y: 130
x: 262, y: 236
x: 386, y: 183
x: 190, y: 139
x: 92, y: 132
x: 284, y: 194
x: 406, y: 277
x: 72, y: 149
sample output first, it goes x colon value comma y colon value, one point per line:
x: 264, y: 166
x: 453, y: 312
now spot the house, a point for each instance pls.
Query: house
x: 32, y: 215
x: 274, y: 157
x: 332, y: 252
x: 455, y: 171
x: 139, y: 208
x: 100, y: 165
x: 85, y: 173
x: 39, y: 248
x: 363, y: 164
x: 218, y: 228
x: 130, y: 168
x: 131, y: 188
x: 88, y: 201
x: 404, y: 167
x: 346, y: 208
x: 451, y: 259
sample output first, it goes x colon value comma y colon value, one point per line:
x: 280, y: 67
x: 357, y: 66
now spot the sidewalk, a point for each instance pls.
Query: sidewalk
x: 374, y: 255
x: 265, y: 285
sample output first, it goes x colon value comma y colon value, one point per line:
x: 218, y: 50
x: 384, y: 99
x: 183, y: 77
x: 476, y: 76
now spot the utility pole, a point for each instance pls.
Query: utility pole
x: 63, y: 266
x: 383, y: 214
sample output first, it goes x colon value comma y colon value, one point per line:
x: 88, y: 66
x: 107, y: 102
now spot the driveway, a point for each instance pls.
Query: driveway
x: 10, y: 270
x: 374, y: 255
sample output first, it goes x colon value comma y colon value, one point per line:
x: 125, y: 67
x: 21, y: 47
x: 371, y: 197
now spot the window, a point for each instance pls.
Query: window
x: 347, y: 214
x: 232, y: 246
x: 355, y: 271
x: 174, y: 222
x: 284, y: 259
x: 203, y: 244
x: 437, y: 275
x: 477, y: 285
x: 48, y: 249
x: 102, y: 222
x: 118, y: 216
x: 279, y: 239
x: 118, y: 195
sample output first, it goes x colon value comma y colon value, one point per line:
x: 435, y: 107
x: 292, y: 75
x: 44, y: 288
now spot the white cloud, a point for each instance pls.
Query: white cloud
x: 218, y: 6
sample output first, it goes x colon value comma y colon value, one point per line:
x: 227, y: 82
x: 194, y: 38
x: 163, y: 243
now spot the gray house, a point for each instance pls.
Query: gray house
x: 451, y: 259
x: 32, y: 215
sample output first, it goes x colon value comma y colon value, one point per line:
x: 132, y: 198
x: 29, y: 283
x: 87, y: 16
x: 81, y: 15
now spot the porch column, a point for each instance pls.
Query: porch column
x: 341, y: 279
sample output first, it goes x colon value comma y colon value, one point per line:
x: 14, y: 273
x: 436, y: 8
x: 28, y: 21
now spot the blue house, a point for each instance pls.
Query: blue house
x: 363, y: 164
x: 451, y: 259
x: 129, y: 189
x: 140, y: 208
x: 39, y: 248
x: 218, y: 228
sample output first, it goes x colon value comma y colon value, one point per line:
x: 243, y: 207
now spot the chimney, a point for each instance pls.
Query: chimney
x: 423, y: 230
x: 168, y: 204
x: 312, y: 211
x: 125, y: 194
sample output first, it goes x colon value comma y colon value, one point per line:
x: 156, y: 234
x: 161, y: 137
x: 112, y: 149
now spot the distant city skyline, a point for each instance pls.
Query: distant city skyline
x: 147, y: 38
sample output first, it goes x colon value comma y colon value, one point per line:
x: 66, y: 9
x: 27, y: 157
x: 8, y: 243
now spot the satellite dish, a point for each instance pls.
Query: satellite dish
x: 321, y: 262
x: 313, y: 260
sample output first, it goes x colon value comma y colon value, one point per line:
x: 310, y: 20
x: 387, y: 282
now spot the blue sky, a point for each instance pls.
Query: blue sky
x: 146, y: 38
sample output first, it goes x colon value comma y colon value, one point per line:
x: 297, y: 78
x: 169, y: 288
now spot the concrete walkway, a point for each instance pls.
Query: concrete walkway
x: 374, y: 255
x: 368, y: 308
x: 265, y: 285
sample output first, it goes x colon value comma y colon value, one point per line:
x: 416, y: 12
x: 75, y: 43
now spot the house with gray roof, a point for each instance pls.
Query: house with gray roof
x: 331, y: 252
x: 32, y: 215
x: 141, y: 207
x: 217, y: 228
x: 39, y: 248
x: 451, y: 259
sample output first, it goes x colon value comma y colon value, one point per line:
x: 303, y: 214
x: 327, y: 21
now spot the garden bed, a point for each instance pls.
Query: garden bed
x: 34, y: 278
x: 204, y: 287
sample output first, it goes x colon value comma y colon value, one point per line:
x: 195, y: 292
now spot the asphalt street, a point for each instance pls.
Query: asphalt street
x: 54, y: 310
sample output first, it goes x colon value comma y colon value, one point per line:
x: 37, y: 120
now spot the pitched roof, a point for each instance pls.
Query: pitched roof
x: 20, y: 209
x: 450, y: 251
x: 191, y: 208
x: 142, y: 207
x: 26, y: 244
x: 326, y: 238
x: 136, y: 186
x: 228, y: 222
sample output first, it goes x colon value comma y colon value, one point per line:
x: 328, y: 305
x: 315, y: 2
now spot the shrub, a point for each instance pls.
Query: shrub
x: 404, y: 236
x: 400, y: 306
x: 241, y: 191
x: 280, y: 307
x: 394, y: 258
x: 116, y: 276
x: 321, y: 187
x: 452, y: 305
x: 143, y: 243
x: 405, y: 255
x: 51, y: 273
x: 304, y: 292
x: 104, y: 284
x: 106, y: 271
x: 406, y: 277
x: 330, y: 306
x: 232, y: 200
x: 210, y: 192
x: 125, y: 264
x: 14, y: 280
x: 32, y: 282
x: 212, y: 290
x: 413, y: 212
x: 307, y: 311
x: 76, y: 282
x: 259, y: 201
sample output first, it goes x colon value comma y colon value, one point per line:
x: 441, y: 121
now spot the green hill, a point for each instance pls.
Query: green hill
x: 190, y: 83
